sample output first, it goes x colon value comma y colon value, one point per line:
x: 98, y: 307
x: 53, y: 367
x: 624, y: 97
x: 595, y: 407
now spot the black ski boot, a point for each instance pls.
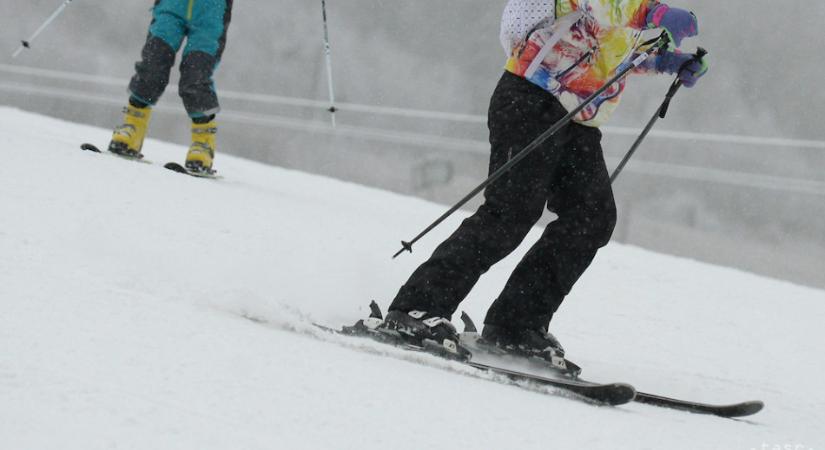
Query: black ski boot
x: 530, y: 342
x: 433, y: 333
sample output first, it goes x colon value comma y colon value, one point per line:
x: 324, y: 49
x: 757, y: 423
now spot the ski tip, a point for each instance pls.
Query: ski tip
x: 743, y: 409
x: 175, y: 167
x: 90, y: 147
x: 609, y: 394
x: 615, y: 394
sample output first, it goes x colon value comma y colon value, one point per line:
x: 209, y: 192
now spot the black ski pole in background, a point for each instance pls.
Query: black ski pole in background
x: 27, y: 43
x: 660, y: 114
x: 328, y: 53
x: 657, y: 44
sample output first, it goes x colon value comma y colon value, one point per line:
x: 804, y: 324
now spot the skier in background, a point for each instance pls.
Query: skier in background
x: 590, y: 39
x: 204, y: 24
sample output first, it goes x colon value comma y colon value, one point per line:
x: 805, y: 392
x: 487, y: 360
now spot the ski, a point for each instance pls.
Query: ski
x: 470, y: 339
x: 535, y: 372
x: 608, y: 394
x: 94, y: 149
x: 175, y: 167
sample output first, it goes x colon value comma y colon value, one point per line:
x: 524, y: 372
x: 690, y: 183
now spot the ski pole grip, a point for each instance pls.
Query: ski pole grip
x: 700, y: 53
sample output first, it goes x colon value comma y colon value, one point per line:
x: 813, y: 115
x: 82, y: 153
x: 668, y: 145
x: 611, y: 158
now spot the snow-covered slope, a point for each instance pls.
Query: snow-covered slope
x: 122, y: 287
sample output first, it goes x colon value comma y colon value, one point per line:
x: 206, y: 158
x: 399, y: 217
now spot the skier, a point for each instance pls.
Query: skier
x: 586, y: 41
x: 204, y: 24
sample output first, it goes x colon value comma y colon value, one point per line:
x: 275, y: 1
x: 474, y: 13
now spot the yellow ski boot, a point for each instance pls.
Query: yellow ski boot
x: 202, y: 151
x: 127, y: 139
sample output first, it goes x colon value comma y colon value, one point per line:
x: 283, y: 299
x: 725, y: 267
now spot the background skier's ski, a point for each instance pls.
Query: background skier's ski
x: 175, y: 167
x: 94, y: 149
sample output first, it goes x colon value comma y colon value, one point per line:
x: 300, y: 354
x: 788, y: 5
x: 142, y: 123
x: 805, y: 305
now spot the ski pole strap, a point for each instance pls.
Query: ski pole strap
x: 660, y: 41
x: 652, y: 46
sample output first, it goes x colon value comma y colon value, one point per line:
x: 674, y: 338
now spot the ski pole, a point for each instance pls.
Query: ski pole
x: 328, y: 53
x: 660, y: 114
x: 657, y: 43
x: 27, y: 43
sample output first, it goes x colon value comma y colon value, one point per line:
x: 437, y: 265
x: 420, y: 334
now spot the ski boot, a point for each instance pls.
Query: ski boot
x: 420, y: 329
x: 523, y: 341
x: 536, y: 345
x: 528, y: 342
x: 202, y: 151
x: 127, y: 139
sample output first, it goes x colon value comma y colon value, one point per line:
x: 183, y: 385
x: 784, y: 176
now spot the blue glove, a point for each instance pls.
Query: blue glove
x: 689, y: 68
x: 679, y: 23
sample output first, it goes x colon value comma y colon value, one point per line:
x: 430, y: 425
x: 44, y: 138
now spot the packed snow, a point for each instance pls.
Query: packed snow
x: 140, y: 308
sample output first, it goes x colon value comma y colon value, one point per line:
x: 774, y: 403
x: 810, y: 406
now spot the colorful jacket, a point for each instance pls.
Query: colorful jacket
x: 590, y: 39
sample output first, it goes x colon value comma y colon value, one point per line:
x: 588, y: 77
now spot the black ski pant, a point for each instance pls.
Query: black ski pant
x: 567, y: 174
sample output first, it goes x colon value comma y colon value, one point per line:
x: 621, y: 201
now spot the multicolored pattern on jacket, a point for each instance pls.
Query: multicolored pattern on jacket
x: 586, y: 54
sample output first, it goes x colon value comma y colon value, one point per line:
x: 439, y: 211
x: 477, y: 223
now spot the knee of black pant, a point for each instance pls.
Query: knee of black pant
x: 605, y: 222
x: 196, y: 87
x: 511, y: 220
x: 152, y: 71
x: 591, y: 222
